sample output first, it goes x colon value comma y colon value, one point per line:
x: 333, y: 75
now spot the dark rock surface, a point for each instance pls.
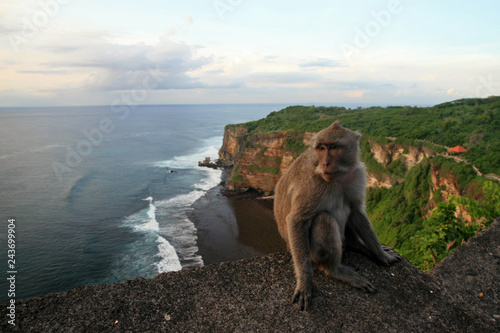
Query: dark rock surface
x: 471, y: 275
x: 254, y: 295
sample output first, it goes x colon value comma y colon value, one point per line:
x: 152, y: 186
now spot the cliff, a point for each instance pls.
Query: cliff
x: 385, y: 154
x: 259, y: 160
x: 460, y: 295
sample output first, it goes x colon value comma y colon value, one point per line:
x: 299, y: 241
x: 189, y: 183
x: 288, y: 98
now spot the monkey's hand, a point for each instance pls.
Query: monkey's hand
x: 303, y: 295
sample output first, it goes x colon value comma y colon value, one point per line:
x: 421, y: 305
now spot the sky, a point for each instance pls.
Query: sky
x: 336, y: 52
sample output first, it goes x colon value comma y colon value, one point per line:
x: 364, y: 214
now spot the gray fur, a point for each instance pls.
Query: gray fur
x: 319, y: 207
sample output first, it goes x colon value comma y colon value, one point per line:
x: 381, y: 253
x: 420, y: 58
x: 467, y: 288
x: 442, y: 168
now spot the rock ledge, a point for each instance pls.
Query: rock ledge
x: 254, y: 295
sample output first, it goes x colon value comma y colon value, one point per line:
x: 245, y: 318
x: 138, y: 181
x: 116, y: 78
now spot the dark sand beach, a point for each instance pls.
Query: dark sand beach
x: 234, y: 227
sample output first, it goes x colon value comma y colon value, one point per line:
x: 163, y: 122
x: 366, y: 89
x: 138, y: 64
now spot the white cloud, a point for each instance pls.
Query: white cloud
x: 108, y: 66
x: 320, y: 62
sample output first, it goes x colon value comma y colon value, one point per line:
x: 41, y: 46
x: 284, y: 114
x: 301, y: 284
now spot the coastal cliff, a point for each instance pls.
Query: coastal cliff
x: 259, y: 160
x: 459, y: 295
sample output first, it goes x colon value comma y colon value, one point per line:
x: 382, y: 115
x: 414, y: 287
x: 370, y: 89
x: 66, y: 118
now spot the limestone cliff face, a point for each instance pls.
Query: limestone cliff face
x: 446, y: 185
x: 385, y: 154
x: 378, y: 180
x: 231, y: 144
x: 258, y: 160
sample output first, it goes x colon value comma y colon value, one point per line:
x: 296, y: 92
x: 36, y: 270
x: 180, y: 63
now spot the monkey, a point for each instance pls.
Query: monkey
x: 319, y: 208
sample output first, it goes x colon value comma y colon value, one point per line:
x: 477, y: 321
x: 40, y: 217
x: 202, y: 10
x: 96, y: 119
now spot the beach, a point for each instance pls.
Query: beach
x: 232, y: 227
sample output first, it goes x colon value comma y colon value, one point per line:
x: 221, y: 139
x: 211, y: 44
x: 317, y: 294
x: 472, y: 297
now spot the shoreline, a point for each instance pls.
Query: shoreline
x: 234, y: 226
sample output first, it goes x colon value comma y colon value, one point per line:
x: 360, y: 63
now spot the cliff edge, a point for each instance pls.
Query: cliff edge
x: 460, y: 295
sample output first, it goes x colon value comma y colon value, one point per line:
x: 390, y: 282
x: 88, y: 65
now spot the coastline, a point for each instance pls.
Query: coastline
x: 234, y: 226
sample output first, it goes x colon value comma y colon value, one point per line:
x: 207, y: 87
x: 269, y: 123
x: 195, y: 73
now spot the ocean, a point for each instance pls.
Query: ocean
x: 103, y: 194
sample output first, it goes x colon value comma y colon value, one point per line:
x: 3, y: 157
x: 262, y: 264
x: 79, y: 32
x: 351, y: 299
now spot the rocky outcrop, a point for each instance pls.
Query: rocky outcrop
x: 385, y: 154
x: 379, y: 180
x: 445, y: 182
x: 208, y: 163
x: 460, y: 295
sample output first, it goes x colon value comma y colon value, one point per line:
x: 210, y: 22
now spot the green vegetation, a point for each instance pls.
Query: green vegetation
x: 401, y: 219
x: 472, y: 123
x: 443, y: 231
x: 366, y: 156
x: 270, y: 170
x: 236, y: 177
x: 421, y: 222
x: 295, y: 144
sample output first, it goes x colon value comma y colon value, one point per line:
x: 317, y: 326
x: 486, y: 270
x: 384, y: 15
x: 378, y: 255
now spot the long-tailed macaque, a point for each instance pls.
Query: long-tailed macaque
x: 319, y: 207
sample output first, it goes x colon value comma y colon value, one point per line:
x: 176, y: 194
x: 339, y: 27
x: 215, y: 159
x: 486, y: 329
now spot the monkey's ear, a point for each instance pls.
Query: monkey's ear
x: 335, y: 124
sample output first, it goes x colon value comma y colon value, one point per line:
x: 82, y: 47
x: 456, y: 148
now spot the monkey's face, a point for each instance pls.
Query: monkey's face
x: 330, y: 160
x: 337, y: 150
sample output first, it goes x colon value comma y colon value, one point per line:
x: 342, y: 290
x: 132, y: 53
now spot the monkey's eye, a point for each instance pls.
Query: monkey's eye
x: 334, y: 146
x: 321, y: 147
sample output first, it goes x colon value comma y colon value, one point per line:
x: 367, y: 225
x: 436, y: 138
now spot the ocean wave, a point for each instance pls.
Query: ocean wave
x: 182, y: 200
x: 169, y: 260
x: 209, y: 148
x: 149, y: 223
x: 145, y: 222
x: 213, y: 179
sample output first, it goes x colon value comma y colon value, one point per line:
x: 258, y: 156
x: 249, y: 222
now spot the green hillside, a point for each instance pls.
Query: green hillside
x: 417, y: 220
x: 471, y: 123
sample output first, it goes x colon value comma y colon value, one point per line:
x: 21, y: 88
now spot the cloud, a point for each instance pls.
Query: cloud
x: 44, y: 72
x: 429, y: 78
x: 110, y: 66
x: 284, y: 77
x: 362, y: 85
x: 320, y: 62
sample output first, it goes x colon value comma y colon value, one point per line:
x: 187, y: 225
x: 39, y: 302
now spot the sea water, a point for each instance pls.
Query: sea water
x: 101, y: 196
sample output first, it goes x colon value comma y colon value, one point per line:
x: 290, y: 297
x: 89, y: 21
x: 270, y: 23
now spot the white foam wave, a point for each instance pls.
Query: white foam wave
x: 149, y: 222
x: 183, y: 200
x: 209, y: 148
x: 169, y: 260
x: 212, y: 180
x: 182, y: 234
x: 145, y: 222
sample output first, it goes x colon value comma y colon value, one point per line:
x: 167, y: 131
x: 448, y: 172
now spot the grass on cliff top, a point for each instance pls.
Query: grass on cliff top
x: 472, y: 123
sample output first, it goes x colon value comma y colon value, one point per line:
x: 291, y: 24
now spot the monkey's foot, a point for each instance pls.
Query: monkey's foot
x: 386, y: 248
x: 347, y: 274
x: 389, y: 256
x: 303, y: 295
x: 393, y: 258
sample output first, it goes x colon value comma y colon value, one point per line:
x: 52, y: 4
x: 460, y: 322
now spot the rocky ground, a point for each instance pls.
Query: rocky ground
x: 461, y: 295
